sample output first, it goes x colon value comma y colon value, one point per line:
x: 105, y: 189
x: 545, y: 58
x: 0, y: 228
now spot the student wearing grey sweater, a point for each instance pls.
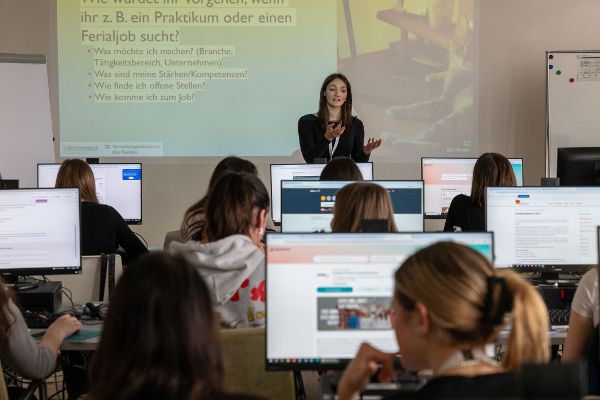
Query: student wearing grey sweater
x: 20, y: 351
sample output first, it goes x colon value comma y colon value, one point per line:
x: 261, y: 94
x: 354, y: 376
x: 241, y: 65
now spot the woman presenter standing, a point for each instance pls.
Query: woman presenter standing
x: 333, y: 131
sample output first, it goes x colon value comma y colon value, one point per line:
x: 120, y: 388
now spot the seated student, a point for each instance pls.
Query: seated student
x: 341, y: 169
x: 585, y: 315
x: 467, y: 213
x: 194, y: 218
x: 450, y: 302
x: 582, y: 338
x: 19, y: 350
x: 160, y: 338
x: 232, y: 258
x: 360, y: 201
x: 103, y: 230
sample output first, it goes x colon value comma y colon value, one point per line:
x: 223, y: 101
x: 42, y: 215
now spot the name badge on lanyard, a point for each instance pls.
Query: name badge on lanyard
x: 333, y: 146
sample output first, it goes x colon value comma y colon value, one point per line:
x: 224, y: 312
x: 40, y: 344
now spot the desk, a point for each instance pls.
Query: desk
x: 557, y: 336
x: 88, y: 345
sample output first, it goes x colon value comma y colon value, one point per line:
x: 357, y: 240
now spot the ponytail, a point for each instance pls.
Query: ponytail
x: 528, y: 340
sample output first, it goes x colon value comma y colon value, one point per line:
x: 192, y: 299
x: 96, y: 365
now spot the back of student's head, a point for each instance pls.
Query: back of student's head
x: 194, y: 218
x: 160, y: 339
x: 462, y: 292
x: 233, y: 205
x: 491, y: 169
x: 361, y: 201
x: 341, y: 169
x: 77, y: 173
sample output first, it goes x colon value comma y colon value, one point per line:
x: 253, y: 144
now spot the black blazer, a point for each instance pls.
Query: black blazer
x: 313, y: 143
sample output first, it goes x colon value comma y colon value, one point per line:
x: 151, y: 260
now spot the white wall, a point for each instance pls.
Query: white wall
x: 514, y: 35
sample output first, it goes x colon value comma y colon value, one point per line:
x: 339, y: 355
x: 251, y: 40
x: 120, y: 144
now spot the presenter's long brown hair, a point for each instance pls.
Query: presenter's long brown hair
x: 77, y: 173
x: 346, y: 112
x: 491, y: 169
x: 160, y: 338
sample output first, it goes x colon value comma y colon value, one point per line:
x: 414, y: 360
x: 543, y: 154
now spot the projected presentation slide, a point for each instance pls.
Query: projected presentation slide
x: 447, y: 177
x: 339, y: 287
x: 307, y: 206
x: 118, y: 185
x: 301, y: 172
x: 537, y: 226
x: 40, y: 230
x: 221, y: 77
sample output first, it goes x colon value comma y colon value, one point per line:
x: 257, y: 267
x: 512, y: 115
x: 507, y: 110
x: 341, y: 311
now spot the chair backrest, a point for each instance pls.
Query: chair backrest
x: 86, y: 287
x: 173, y: 236
x: 552, y: 381
x: 245, y: 351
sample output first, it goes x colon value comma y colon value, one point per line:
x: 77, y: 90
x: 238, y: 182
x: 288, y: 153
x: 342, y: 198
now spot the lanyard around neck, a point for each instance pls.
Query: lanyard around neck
x: 333, y: 146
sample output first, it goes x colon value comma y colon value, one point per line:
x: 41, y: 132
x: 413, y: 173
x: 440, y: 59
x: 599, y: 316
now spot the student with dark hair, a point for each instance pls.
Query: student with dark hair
x: 231, y: 257
x: 160, y: 339
x: 333, y: 131
x: 194, y: 218
x: 450, y: 302
x: 467, y: 213
x: 341, y: 169
x: 19, y: 350
x: 361, y: 201
x: 103, y: 230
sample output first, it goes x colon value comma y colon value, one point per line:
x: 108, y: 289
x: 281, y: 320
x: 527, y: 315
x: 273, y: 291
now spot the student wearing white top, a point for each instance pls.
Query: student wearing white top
x: 585, y: 315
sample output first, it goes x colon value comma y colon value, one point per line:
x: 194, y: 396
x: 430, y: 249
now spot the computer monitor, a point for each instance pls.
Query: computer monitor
x: 9, y: 183
x: 544, y: 229
x: 329, y: 292
x: 578, y: 166
x: 280, y: 172
x: 307, y: 206
x: 118, y: 185
x: 39, y: 232
x: 447, y: 177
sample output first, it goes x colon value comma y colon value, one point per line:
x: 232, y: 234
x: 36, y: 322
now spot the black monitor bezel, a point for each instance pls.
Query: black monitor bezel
x: 7, y: 274
x: 571, y: 269
x: 444, y: 216
x: 129, y: 221
x: 372, y: 181
x: 278, y: 223
x: 334, y: 364
x: 562, y: 156
x: 9, y: 184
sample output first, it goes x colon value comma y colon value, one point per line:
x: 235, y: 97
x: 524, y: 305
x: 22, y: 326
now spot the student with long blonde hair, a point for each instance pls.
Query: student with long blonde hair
x: 361, y: 201
x: 450, y: 302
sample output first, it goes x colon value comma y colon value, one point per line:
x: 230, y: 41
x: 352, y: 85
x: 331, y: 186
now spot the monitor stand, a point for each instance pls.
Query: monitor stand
x: 552, y: 278
x: 19, y: 284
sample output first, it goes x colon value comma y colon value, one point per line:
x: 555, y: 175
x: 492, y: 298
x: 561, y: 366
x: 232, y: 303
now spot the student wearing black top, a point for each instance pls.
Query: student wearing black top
x: 449, y: 302
x: 466, y: 213
x: 333, y: 131
x: 103, y: 230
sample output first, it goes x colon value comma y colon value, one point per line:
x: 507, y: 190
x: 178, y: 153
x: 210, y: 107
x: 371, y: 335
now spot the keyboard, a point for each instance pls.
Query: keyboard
x: 38, y: 319
x: 559, y: 316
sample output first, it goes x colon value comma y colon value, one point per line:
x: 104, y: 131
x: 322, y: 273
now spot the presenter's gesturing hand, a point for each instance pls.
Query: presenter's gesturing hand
x: 371, y: 145
x: 333, y: 130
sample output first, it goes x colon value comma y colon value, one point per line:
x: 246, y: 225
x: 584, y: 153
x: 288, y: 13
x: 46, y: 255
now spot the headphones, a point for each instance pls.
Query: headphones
x: 95, y: 312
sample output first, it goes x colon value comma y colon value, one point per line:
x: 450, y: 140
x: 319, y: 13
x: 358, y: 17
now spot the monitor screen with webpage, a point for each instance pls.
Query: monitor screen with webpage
x: 545, y: 229
x: 39, y: 232
x: 337, y: 288
x: 447, y: 177
x: 303, y: 172
x: 118, y: 185
x: 307, y: 206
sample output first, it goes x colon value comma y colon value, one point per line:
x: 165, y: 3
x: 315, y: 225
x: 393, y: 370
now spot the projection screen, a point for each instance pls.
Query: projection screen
x: 179, y: 78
